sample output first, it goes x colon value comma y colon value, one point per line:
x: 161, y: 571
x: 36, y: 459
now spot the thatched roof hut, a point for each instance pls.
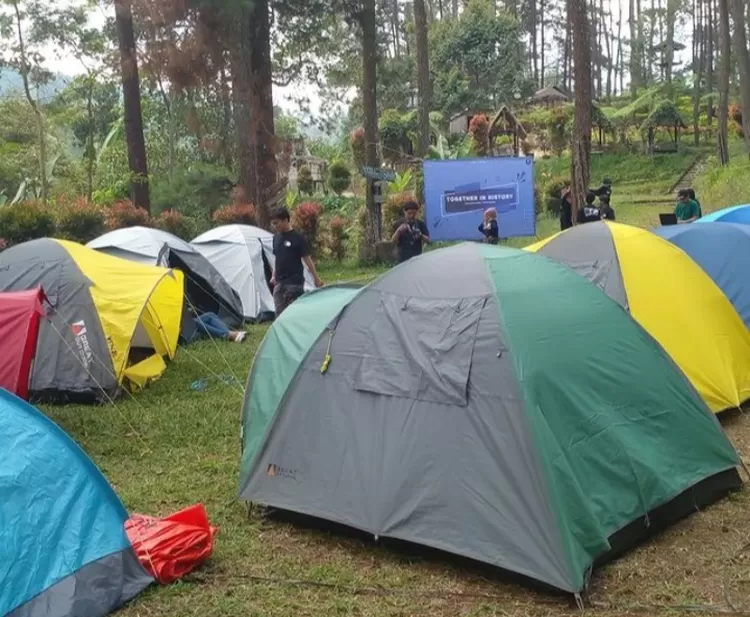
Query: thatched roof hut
x: 550, y: 96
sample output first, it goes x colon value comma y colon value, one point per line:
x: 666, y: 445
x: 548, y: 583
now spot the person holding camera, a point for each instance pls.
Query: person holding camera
x: 410, y: 233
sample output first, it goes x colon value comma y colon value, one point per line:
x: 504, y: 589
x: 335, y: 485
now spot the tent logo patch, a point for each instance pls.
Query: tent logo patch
x: 82, y: 342
x: 274, y: 471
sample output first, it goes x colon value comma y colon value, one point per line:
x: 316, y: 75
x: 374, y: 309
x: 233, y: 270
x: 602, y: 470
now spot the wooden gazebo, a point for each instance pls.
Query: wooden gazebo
x: 505, y: 123
x: 664, y: 115
x: 551, y: 96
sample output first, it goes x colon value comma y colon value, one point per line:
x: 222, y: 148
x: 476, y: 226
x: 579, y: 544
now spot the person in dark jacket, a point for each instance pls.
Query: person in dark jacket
x: 607, y: 211
x: 566, y: 209
x: 489, y: 228
x: 589, y: 213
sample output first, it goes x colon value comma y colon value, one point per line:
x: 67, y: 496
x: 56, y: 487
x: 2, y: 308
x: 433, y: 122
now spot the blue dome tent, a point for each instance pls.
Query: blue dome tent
x: 722, y: 250
x: 735, y: 214
x: 63, y: 547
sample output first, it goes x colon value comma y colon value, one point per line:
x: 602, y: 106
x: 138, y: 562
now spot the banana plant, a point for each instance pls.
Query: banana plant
x: 401, y: 183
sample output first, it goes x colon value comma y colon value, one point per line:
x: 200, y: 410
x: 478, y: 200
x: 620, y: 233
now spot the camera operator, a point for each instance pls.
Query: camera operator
x: 410, y: 233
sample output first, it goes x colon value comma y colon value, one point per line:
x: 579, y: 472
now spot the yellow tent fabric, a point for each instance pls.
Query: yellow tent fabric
x: 128, y: 294
x: 674, y: 300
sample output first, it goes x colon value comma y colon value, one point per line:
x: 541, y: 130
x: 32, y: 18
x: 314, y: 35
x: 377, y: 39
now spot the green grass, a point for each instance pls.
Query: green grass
x: 171, y: 446
x: 635, y: 177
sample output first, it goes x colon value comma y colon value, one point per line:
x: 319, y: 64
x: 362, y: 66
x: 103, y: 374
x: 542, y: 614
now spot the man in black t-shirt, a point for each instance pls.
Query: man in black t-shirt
x: 291, y: 250
x: 589, y: 213
x: 409, y: 233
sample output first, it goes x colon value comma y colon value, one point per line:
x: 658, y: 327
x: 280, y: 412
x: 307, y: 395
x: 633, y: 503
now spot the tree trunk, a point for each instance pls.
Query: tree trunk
x: 581, y: 145
x: 724, y: 69
x: 669, y: 52
x: 635, y: 68
x: 609, y: 43
x: 709, y: 62
x: 133, y: 117
x: 423, y: 69
x: 90, y: 153
x: 566, y: 54
x: 619, y: 68
x: 698, y: 45
x: 542, y: 22
x: 454, y: 9
x: 239, y: 63
x: 41, y: 130
x: 395, y: 25
x: 532, y: 36
x: 226, y: 118
x: 368, y: 22
x: 743, y: 64
x: 262, y: 121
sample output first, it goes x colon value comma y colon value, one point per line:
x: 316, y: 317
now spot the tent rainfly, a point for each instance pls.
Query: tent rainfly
x: 668, y: 301
x: 243, y: 255
x: 114, y: 323
x: 445, y: 404
x: 64, y: 551
x: 206, y: 291
x: 20, y: 314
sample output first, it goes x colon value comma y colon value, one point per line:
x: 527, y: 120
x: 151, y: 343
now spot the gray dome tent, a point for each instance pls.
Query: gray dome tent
x: 205, y: 288
x: 243, y: 254
x: 484, y: 401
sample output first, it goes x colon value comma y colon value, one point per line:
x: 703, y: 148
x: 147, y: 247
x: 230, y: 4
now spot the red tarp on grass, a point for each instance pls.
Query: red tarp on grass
x: 20, y: 313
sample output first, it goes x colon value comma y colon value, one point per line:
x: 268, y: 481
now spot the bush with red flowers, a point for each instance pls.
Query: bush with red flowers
x: 337, y: 237
x: 306, y: 220
x: 479, y: 129
x: 124, y: 214
x: 79, y: 220
x: 174, y: 222
x: 235, y: 214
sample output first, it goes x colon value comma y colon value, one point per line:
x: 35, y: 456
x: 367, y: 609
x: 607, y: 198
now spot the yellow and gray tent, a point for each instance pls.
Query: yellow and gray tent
x: 671, y: 297
x: 113, y: 322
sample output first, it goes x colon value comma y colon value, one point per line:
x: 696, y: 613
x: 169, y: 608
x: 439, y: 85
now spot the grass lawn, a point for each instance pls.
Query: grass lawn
x: 172, y: 446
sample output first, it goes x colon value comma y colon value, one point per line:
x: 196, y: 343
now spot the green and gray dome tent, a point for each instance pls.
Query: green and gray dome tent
x: 485, y: 401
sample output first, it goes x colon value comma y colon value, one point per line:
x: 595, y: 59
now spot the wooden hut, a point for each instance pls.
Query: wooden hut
x: 551, y: 96
x: 664, y: 115
x: 505, y: 123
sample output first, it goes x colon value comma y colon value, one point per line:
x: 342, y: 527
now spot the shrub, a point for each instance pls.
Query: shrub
x: 339, y: 177
x: 359, y: 149
x: 393, y: 135
x: 125, y: 214
x: 306, y: 220
x: 235, y: 214
x: 393, y: 210
x: 80, y: 221
x: 337, y: 237
x: 26, y: 221
x: 174, y: 222
x: 553, y: 194
x: 305, y: 182
x: 479, y: 129
x: 558, y: 131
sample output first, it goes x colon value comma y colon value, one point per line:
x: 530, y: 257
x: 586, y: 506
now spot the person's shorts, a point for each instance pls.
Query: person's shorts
x: 284, y: 295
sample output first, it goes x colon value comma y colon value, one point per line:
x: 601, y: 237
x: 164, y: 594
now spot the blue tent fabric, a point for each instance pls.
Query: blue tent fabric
x: 63, y: 547
x: 722, y: 250
x: 735, y: 214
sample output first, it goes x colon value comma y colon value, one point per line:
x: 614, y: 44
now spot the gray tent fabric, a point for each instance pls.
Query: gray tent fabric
x: 243, y: 254
x: 206, y: 290
x: 602, y: 266
x: 399, y: 488
x: 438, y: 410
x: 90, y: 591
x: 45, y: 263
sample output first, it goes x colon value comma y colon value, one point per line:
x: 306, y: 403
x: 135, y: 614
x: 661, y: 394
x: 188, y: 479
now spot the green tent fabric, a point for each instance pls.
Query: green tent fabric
x: 280, y: 354
x: 484, y: 401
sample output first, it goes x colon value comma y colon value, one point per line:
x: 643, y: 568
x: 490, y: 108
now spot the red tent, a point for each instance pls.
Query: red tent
x: 20, y: 313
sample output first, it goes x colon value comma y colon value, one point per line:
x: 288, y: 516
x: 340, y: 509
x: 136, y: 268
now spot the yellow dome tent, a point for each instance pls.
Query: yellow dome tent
x: 113, y: 322
x: 671, y: 297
